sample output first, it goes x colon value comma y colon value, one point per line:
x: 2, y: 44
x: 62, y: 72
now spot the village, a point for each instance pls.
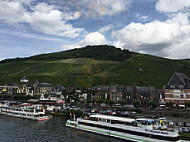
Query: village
x: 174, y: 95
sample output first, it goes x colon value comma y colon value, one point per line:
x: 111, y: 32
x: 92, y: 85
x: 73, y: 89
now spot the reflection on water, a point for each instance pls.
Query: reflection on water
x: 52, y: 130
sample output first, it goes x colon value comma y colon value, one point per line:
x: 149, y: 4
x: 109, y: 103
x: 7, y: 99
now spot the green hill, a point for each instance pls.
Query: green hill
x: 103, y: 65
x: 100, y: 52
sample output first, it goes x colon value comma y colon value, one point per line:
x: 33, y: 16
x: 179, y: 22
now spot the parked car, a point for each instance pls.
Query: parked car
x: 186, y: 124
x: 185, y: 130
x: 108, y: 112
x: 124, y: 113
x: 113, y: 113
x: 179, y: 124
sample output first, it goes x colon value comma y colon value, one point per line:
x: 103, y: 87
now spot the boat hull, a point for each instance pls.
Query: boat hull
x: 116, y: 134
x: 25, y: 117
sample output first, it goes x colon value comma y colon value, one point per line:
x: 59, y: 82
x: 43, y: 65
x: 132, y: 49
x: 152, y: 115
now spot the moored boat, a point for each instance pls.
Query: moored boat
x: 23, y: 111
x: 142, y: 129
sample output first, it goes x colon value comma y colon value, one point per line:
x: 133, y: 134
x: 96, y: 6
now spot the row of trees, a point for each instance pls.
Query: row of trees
x: 170, y: 104
x: 99, y: 52
x: 19, y: 97
x: 136, y: 103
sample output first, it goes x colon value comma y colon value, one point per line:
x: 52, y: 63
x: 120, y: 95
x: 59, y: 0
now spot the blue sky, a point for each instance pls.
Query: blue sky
x: 158, y: 27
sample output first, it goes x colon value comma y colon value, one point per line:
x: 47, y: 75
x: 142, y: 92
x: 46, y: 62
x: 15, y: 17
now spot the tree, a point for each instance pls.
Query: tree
x: 74, y: 95
x: 123, y: 102
x: 89, y: 100
x: 187, y: 104
x: 152, y: 104
x: 99, y: 101
x: 136, y: 103
x: 110, y: 102
x: 169, y: 104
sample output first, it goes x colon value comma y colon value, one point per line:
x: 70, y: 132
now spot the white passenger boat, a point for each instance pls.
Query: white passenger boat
x: 27, y: 112
x: 141, y: 130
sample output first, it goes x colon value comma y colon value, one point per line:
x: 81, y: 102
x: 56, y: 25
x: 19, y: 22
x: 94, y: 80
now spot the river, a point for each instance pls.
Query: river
x: 53, y: 130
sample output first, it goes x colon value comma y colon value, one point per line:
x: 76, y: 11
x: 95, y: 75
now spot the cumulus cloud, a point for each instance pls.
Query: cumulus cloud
x: 157, y: 37
x: 50, y: 21
x: 11, y: 12
x: 43, y: 17
x: 172, y: 5
x: 94, y: 38
x: 118, y: 44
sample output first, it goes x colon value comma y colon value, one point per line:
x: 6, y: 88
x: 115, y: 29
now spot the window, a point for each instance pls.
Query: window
x: 176, y: 96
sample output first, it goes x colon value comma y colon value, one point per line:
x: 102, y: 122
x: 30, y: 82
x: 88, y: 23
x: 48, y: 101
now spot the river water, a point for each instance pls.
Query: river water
x: 53, y: 130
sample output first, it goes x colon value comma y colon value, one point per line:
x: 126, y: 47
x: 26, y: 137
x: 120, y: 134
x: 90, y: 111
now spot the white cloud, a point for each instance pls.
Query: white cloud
x: 43, y: 7
x: 52, y: 23
x: 106, y: 28
x: 172, y: 5
x: 69, y: 47
x: 144, y: 18
x: 28, y: 35
x: 11, y: 12
x: 95, y: 38
x: 25, y: 1
x: 68, y: 15
x: 118, y: 44
x: 157, y: 37
x: 180, y: 50
x: 110, y: 7
x: 45, y: 18
x: 97, y: 8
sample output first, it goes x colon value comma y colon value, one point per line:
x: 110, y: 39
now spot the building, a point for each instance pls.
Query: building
x: 42, y: 88
x: 9, y: 89
x: 26, y: 89
x: 116, y: 92
x: 177, y: 90
x: 99, y: 92
x: 144, y: 94
x: 128, y: 94
x: 82, y: 94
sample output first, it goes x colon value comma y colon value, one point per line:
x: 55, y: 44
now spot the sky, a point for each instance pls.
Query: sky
x: 157, y: 27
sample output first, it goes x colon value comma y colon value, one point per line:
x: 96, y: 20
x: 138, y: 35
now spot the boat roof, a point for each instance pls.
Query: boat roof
x: 113, y: 118
x: 145, y: 119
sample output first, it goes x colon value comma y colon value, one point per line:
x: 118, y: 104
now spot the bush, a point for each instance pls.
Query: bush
x: 89, y: 100
x: 170, y: 104
x: 152, y: 104
x: 136, y: 103
x: 187, y: 104
x: 71, y: 113
x: 23, y: 97
x: 99, y: 101
x: 110, y: 102
x: 5, y: 96
x: 123, y: 102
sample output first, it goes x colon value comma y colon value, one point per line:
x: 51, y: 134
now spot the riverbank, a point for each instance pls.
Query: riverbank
x: 167, y: 113
x: 183, y: 136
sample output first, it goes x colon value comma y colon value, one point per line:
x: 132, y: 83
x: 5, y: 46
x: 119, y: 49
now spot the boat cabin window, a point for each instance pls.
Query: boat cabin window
x: 124, y: 123
x: 143, y: 122
x: 94, y: 119
x: 41, y: 115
